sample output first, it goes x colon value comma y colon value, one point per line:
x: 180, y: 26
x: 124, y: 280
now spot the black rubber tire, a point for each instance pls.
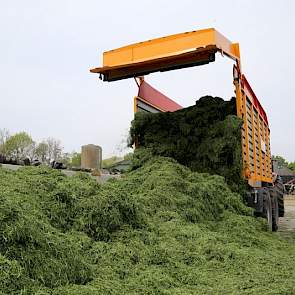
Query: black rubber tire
x: 267, y: 210
x: 280, y: 190
x: 281, y: 205
x: 275, y: 214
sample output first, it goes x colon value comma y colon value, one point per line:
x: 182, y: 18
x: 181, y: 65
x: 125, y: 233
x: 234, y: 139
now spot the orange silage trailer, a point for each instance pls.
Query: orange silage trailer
x: 193, y: 49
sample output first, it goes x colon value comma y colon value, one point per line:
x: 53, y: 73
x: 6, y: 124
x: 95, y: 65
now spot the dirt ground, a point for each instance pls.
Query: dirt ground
x: 287, y: 223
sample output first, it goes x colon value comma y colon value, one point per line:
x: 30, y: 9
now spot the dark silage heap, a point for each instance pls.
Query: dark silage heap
x: 205, y: 137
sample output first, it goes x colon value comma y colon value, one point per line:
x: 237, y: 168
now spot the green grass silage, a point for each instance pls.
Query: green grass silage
x: 205, y: 137
x: 161, y: 229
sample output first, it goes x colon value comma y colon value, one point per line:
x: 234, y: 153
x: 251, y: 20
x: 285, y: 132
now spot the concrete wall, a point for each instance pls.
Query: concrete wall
x: 91, y: 156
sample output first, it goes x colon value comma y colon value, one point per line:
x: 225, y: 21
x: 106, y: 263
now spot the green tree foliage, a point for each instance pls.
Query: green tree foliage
x: 19, y: 146
x: 291, y: 166
x: 128, y: 156
x: 281, y: 161
x: 110, y: 161
x: 75, y: 159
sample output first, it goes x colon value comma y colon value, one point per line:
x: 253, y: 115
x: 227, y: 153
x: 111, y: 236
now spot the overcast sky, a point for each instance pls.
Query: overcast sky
x: 48, y: 47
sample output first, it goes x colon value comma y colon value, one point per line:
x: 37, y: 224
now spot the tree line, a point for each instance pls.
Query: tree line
x: 20, y: 146
x: 284, y: 163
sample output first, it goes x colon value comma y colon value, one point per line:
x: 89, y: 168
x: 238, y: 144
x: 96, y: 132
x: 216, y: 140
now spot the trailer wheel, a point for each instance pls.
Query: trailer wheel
x: 281, y: 205
x: 275, y: 214
x: 280, y: 190
x: 267, y: 210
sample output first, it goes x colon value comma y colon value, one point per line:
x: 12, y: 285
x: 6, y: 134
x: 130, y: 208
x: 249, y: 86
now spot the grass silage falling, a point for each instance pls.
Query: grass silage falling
x: 205, y: 137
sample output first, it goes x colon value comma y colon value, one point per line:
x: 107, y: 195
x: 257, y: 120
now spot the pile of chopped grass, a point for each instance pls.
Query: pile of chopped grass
x: 39, y: 251
x: 161, y: 229
x: 205, y: 137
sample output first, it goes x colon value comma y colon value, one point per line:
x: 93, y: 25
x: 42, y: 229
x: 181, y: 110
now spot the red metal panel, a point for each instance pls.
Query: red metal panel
x: 255, y: 100
x: 157, y: 99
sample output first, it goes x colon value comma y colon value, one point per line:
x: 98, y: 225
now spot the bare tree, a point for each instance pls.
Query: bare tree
x: 42, y: 151
x: 4, y: 136
x: 31, y: 151
x: 122, y: 147
x: 54, y: 149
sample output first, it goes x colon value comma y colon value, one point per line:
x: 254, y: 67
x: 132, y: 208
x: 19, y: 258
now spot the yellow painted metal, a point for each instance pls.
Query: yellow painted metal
x: 238, y: 98
x: 175, y: 51
x: 248, y: 173
x: 269, y: 170
x: 170, y: 45
x: 259, y: 140
x: 135, y: 104
x: 254, y: 142
x: 267, y: 156
x: 254, y: 175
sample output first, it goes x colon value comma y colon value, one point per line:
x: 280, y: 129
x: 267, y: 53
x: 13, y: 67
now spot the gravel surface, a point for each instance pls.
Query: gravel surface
x: 287, y: 223
x: 101, y: 179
